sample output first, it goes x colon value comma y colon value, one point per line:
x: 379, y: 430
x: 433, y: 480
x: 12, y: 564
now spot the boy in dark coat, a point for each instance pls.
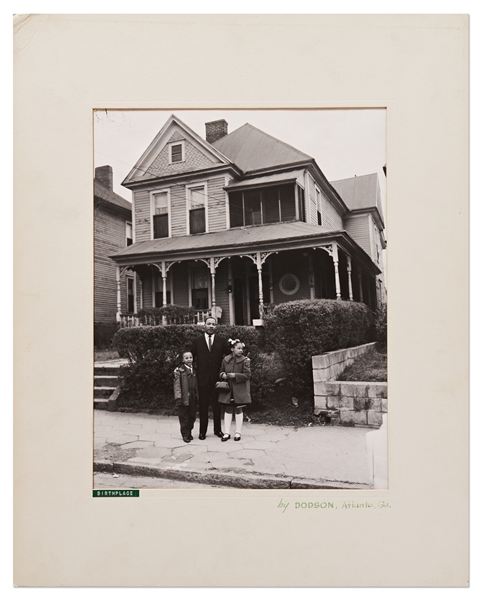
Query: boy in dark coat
x: 186, y: 395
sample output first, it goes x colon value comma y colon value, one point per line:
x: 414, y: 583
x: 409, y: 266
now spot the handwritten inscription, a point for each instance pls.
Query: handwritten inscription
x: 343, y: 505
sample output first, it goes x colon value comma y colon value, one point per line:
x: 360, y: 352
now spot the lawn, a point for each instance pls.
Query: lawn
x: 103, y: 355
x: 371, y: 366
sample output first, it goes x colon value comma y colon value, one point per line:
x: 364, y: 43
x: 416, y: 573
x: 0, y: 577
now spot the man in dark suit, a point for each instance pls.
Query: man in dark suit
x: 208, y: 351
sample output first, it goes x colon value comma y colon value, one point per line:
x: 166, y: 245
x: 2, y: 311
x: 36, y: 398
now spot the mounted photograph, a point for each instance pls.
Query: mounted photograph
x: 240, y: 299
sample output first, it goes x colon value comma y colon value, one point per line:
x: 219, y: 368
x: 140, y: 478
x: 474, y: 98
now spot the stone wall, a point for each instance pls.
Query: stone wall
x: 347, y: 402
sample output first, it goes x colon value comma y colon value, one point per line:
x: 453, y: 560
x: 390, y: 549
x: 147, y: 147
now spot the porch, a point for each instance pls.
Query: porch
x: 238, y: 282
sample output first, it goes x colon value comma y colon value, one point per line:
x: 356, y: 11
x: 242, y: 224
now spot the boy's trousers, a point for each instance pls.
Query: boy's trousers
x: 187, y: 416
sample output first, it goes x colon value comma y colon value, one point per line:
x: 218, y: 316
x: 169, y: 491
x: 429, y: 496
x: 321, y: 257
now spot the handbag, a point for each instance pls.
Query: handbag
x: 222, y: 385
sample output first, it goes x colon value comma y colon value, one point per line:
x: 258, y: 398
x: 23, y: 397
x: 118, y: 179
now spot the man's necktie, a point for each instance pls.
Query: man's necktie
x: 210, y: 342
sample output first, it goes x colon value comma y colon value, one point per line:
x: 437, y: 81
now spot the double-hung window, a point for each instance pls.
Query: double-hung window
x: 160, y: 217
x: 128, y: 234
x: 176, y: 153
x: 197, y: 208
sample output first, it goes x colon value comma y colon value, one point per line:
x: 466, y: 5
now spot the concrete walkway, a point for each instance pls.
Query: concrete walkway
x: 266, y: 457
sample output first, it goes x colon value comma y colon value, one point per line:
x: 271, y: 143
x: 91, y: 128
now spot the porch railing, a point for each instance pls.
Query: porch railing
x: 148, y: 320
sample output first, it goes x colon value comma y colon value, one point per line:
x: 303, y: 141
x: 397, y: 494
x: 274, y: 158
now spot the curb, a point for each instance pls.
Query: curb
x: 226, y: 478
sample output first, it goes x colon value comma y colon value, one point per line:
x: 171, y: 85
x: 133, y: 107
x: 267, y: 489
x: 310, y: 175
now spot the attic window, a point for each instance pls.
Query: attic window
x: 176, y: 153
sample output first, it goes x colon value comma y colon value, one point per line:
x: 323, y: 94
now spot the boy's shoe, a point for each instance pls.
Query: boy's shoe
x: 191, y: 438
x: 186, y: 439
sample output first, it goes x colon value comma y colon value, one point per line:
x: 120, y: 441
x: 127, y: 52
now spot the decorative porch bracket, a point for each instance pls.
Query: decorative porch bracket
x: 332, y: 250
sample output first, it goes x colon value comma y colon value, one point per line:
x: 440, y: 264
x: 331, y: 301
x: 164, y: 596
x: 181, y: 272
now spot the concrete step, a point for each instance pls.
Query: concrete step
x: 106, y: 381
x: 106, y: 371
x: 103, y: 392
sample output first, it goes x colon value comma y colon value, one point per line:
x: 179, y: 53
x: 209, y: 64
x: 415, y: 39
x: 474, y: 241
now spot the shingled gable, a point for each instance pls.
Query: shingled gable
x: 149, y: 166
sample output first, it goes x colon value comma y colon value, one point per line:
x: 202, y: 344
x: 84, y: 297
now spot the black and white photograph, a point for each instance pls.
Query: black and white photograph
x: 240, y: 299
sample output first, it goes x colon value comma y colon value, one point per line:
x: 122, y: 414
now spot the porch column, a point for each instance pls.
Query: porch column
x: 141, y: 293
x: 348, y: 268
x: 311, y: 277
x: 164, y: 283
x: 212, y: 269
x: 334, y: 247
x: 119, y: 301
x: 230, y: 293
x: 360, y: 286
x: 259, y: 265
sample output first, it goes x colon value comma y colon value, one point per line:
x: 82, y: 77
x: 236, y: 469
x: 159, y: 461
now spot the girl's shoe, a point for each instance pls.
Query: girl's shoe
x: 225, y: 437
x: 237, y: 437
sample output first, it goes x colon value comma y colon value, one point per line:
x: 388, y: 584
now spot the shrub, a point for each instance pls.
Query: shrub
x: 104, y: 334
x: 381, y: 326
x: 301, y: 329
x: 154, y: 352
x: 266, y: 370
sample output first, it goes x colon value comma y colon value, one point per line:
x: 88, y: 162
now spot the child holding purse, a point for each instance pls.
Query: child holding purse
x: 236, y: 372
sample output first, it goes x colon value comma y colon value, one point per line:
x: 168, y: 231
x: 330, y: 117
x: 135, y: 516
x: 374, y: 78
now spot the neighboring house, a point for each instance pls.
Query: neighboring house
x: 237, y: 221
x: 112, y: 233
x: 364, y: 223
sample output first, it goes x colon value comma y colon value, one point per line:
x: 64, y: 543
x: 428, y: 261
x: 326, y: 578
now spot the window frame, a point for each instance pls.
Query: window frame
x: 183, y: 155
x: 261, y: 191
x: 152, y: 203
x: 191, y: 186
x: 130, y: 278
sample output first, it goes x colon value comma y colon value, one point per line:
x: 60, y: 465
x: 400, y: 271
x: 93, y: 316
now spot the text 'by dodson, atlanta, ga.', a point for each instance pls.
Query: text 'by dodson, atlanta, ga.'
x: 325, y: 504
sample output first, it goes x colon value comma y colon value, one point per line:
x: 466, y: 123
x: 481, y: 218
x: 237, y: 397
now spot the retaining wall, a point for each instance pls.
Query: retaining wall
x: 347, y: 402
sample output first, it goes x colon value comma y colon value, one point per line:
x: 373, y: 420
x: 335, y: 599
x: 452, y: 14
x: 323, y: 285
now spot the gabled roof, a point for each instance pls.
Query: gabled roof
x: 251, y: 149
x: 360, y: 193
x: 105, y: 194
x: 141, y: 170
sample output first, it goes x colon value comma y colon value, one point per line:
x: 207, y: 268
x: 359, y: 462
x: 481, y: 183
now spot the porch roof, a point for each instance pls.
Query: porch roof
x: 266, y: 179
x: 232, y: 242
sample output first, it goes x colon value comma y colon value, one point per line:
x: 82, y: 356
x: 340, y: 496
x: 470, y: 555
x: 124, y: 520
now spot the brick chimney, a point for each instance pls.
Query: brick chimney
x: 215, y: 130
x: 104, y: 175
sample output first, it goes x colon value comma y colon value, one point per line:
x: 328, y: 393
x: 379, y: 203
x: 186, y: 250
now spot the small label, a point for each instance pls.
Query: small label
x: 115, y: 493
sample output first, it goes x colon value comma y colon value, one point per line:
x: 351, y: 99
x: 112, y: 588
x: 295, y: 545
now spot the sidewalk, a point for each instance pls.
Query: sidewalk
x: 266, y: 457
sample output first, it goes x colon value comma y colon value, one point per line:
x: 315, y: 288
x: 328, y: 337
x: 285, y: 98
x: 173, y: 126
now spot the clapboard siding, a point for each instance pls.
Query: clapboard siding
x: 217, y: 204
x: 311, y: 216
x: 109, y: 238
x: 330, y: 217
x: 142, y: 215
x: 357, y: 226
x: 178, y: 210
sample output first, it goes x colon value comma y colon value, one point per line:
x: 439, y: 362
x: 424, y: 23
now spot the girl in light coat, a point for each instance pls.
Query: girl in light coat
x: 236, y: 370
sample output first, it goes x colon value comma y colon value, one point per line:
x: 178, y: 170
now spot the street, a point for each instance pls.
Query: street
x: 131, y: 482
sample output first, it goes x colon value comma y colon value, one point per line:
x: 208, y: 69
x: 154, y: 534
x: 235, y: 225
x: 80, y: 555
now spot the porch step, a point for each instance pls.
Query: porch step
x: 106, y: 385
x: 106, y: 381
x: 103, y: 392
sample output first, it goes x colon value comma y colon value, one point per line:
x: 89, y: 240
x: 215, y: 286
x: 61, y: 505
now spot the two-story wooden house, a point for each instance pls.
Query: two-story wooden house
x: 112, y: 233
x: 237, y: 221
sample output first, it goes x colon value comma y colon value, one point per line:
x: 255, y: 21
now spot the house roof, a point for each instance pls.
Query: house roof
x: 104, y: 193
x: 251, y: 149
x: 267, y: 179
x: 239, y: 241
x: 241, y: 236
x: 360, y: 193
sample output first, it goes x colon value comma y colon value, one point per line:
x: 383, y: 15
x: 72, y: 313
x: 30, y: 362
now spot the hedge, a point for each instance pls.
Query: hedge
x: 172, y: 312
x: 154, y: 352
x: 293, y: 333
x: 301, y: 329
